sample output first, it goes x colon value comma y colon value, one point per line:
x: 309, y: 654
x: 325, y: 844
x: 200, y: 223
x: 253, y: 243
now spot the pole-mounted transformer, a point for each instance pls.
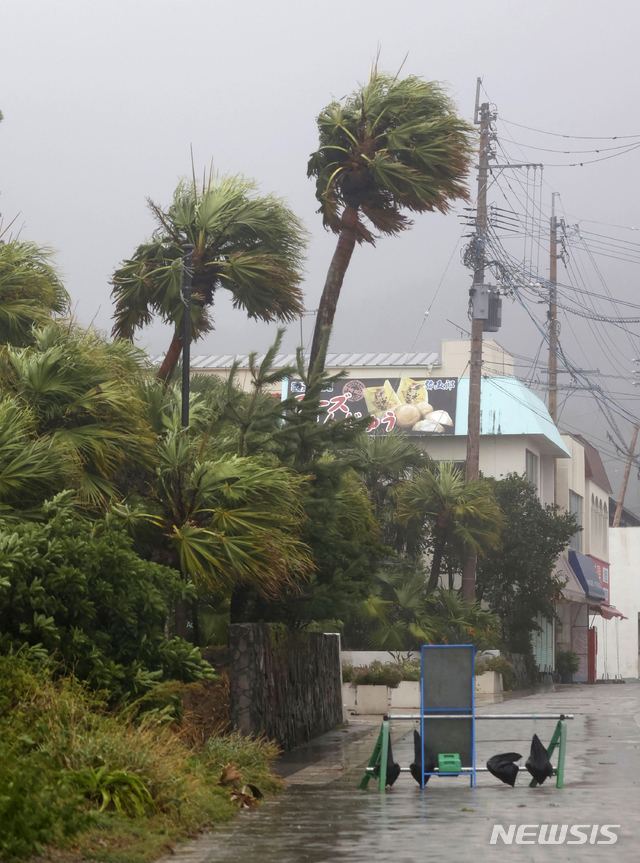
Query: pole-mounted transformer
x: 486, y: 305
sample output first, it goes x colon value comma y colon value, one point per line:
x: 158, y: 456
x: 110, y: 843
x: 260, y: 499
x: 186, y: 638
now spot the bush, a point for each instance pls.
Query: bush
x: 567, y: 662
x: 410, y: 669
x: 78, y: 590
x: 500, y: 665
x: 74, y: 771
x: 378, y: 674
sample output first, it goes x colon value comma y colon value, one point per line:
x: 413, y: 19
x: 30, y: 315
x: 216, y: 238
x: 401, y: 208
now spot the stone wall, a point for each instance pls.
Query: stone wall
x: 285, y: 684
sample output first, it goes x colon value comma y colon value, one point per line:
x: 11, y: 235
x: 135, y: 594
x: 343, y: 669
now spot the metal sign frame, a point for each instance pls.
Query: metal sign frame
x: 466, y: 711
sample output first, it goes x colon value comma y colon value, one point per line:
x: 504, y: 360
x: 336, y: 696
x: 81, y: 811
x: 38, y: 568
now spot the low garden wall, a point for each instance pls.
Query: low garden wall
x: 372, y: 700
x: 284, y: 684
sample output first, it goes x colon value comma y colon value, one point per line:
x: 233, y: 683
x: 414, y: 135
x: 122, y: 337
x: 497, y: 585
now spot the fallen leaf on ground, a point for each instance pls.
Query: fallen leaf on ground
x: 230, y: 775
x: 244, y: 800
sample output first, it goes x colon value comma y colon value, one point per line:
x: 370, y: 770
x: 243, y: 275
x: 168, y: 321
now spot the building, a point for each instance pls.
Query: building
x: 408, y: 390
x: 618, y: 634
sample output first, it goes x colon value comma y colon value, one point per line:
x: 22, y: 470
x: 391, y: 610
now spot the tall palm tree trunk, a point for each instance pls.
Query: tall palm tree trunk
x: 335, y: 278
x: 436, y: 563
x: 169, y: 363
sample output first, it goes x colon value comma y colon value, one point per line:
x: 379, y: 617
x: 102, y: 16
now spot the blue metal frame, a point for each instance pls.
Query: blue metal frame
x: 471, y: 711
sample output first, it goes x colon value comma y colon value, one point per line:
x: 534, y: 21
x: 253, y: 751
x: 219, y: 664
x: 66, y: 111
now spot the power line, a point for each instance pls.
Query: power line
x: 570, y: 152
x: 576, y: 137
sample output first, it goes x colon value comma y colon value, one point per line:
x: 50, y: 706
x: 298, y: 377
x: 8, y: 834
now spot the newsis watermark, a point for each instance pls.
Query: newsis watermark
x: 555, y: 834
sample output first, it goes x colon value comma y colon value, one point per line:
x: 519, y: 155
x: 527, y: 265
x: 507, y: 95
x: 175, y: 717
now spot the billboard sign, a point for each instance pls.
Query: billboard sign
x: 420, y: 406
x: 602, y: 568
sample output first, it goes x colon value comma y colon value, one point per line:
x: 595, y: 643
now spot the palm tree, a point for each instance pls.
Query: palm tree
x: 456, y: 512
x: 225, y: 521
x: 250, y: 244
x: 405, y: 614
x: 393, y: 145
x: 80, y: 393
x: 30, y: 291
x: 31, y: 468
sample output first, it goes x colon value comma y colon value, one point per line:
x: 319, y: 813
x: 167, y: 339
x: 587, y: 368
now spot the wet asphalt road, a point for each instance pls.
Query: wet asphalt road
x: 322, y: 817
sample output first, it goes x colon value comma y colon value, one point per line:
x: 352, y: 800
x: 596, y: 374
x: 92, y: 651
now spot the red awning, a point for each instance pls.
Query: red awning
x: 608, y: 612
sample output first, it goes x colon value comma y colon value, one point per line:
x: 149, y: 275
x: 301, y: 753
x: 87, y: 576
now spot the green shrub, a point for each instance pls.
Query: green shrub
x: 410, y: 669
x: 376, y: 674
x: 78, y: 590
x: 37, y: 808
x: 500, y: 665
x: 567, y: 662
x: 114, y: 790
x: 74, y: 771
x: 347, y: 673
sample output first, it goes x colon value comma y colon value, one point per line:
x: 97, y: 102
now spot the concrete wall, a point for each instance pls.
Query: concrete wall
x: 620, y: 638
x: 366, y: 657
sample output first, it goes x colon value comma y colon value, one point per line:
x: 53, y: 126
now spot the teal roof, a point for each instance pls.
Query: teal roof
x: 508, y: 407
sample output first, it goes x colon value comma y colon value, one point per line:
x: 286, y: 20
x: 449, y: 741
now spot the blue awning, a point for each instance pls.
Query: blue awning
x: 586, y: 574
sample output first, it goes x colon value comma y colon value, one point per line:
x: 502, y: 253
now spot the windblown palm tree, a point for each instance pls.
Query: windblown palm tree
x: 252, y: 245
x: 30, y: 291
x: 225, y: 521
x: 393, y: 145
x: 31, y: 468
x: 456, y: 511
x: 79, y: 393
x: 405, y: 614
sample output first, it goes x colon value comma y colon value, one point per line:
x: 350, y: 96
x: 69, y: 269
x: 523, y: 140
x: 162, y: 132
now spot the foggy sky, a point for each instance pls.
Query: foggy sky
x: 102, y: 101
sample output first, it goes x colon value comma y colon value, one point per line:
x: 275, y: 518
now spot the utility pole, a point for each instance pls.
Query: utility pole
x: 483, y: 118
x: 186, y: 330
x: 625, y: 478
x: 553, y: 312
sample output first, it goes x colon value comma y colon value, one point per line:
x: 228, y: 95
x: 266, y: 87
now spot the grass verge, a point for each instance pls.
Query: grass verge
x: 81, y: 782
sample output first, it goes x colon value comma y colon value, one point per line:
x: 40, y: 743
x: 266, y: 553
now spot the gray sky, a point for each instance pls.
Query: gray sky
x: 103, y: 99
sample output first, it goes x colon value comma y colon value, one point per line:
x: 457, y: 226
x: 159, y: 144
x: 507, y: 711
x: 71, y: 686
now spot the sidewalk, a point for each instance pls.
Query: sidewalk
x: 323, y: 818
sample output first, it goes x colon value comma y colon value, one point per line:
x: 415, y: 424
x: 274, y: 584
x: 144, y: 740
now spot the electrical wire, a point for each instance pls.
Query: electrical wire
x: 575, y: 137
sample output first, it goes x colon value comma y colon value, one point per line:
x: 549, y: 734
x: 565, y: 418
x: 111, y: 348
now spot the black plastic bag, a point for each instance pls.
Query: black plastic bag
x: 538, y: 763
x: 416, y: 766
x: 503, y: 768
x: 393, y: 769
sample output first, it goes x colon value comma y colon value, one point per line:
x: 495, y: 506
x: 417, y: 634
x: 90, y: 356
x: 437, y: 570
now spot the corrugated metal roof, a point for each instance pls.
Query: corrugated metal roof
x: 343, y: 360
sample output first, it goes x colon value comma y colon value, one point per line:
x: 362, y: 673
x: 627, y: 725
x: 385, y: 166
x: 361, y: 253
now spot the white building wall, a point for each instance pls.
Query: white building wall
x: 571, y: 472
x: 499, y: 456
x: 618, y: 648
x: 547, y: 478
x: 596, y: 517
x: 455, y: 353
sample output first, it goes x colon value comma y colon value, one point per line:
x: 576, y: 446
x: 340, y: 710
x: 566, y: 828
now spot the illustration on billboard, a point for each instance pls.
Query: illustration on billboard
x: 410, y: 405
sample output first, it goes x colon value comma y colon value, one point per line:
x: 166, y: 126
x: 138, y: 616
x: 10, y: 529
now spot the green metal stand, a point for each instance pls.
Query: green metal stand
x: 559, y: 742
x: 379, y: 757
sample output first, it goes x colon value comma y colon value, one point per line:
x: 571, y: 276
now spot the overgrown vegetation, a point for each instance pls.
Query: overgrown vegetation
x: 75, y: 590
x: 118, y: 786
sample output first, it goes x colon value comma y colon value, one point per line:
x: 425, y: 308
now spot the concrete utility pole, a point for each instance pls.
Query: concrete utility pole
x: 553, y: 313
x: 483, y: 117
x: 186, y: 330
x: 625, y: 478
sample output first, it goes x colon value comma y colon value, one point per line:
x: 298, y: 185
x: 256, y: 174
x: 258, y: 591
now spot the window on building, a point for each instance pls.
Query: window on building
x: 575, y: 506
x: 532, y: 470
